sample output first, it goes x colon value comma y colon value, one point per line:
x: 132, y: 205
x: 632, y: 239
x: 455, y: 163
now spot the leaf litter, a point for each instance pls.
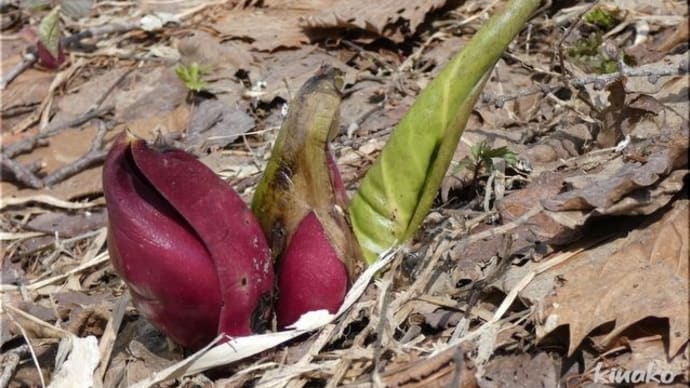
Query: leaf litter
x: 583, y: 257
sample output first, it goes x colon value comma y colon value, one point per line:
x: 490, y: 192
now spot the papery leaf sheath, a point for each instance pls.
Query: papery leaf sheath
x: 227, y: 228
x: 301, y: 175
x: 397, y: 191
x: 170, y: 273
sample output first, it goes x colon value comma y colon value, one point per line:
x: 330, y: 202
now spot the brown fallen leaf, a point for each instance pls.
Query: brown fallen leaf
x: 83, y: 97
x: 67, y: 225
x: 289, y: 24
x: 540, y: 370
x: 448, y: 368
x: 283, y: 72
x: 541, y: 225
x: 214, y: 124
x: 368, y: 109
x: 150, y: 92
x: 221, y: 62
x: 646, y: 350
x: 268, y: 28
x: 601, y: 192
x: 643, y: 354
x: 174, y: 7
x: 65, y: 147
x: 139, y: 350
x: 28, y: 90
x: 654, y: 49
x: 392, y: 19
x: 158, y: 123
x: 643, y: 274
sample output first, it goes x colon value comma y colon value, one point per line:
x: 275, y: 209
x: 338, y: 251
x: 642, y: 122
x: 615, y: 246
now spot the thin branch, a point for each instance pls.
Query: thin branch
x: 112, y: 87
x: 651, y: 71
x: 26, y: 176
x: 28, y: 60
x: 28, y: 144
x: 115, y: 28
x: 95, y: 155
x: 21, y: 173
x: 52, y: 128
x: 561, y: 57
x: 10, y: 361
x: 25, y: 145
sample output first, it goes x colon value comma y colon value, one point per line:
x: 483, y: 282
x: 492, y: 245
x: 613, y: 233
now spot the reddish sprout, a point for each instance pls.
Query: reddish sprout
x: 193, y: 255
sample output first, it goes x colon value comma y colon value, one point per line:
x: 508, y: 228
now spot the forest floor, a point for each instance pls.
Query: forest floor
x: 559, y: 259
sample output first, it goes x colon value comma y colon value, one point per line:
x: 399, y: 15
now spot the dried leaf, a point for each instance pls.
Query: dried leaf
x: 283, y: 72
x: 156, y: 92
x: 64, y: 147
x: 624, y: 281
x: 80, y: 358
x: 651, y: 350
x: 515, y: 205
x: 527, y: 370
x: 205, y: 49
x: 393, y: 19
x: 73, y: 105
x: 267, y: 28
x: 77, y: 8
x: 29, y: 89
x: 601, y: 192
x: 67, y: 225
x: 214, y: 124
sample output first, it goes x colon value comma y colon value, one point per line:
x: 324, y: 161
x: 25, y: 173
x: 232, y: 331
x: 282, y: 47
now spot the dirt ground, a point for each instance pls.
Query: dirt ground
x: 556, y: 252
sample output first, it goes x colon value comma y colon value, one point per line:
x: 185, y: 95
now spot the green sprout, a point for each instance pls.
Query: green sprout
x: 586, y: 52
x: 481, y: 158
x: 602, y: 18
x: 192, y: 76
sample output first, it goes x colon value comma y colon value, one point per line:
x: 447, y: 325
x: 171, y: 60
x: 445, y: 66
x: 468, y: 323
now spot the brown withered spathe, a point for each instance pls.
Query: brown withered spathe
x: 301, y: 181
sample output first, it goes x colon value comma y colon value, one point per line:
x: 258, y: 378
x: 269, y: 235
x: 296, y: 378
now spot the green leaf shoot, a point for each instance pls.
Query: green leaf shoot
x: 398, y: 190
x: 49, y: 32
x: 192, y: 76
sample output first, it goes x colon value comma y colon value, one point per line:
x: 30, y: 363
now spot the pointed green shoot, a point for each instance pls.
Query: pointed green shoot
x: 398, y: 190
x: 49, y: 31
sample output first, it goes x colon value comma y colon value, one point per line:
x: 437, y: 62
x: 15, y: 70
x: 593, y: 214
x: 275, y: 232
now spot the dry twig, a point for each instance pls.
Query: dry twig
x: 24, y: 175
x: 10, y: 361
x: 652, y: 72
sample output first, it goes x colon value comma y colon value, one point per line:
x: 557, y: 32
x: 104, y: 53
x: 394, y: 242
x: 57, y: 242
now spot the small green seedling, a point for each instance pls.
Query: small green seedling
x: 602, y: 18
x: 192, y: 76
x: 481, y: 158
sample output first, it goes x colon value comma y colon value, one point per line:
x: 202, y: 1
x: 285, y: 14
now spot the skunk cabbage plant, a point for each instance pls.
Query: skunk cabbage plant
x: 190, y: 250
x: 198, y: 263
x: 51, y: 54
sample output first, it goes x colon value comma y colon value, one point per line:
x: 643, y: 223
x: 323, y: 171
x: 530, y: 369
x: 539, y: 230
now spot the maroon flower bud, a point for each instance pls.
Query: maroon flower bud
x: 193, y: 255
x: 311, y: 275
x: 47, y: 59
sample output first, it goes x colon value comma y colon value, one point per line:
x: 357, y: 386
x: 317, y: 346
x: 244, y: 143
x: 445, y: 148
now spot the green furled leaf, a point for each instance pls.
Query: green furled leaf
x: 398, y: 190
x: 49, y: 31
